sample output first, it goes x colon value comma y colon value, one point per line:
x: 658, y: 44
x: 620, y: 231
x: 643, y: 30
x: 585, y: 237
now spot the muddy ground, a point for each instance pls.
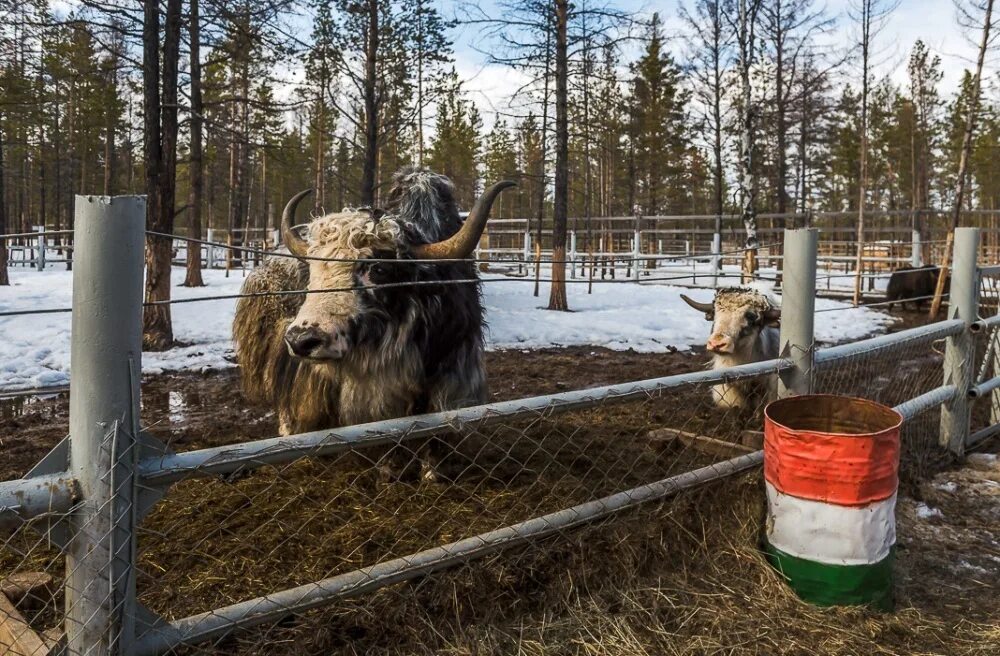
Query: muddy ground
x: 681, y: 577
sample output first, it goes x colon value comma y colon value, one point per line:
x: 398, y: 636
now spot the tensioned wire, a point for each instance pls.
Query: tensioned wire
x: 412, y: 283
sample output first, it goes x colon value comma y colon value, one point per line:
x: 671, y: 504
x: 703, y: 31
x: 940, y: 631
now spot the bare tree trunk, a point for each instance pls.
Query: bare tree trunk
x: 161, y: 163
x: 560, y: 207
x: 717, y: 92
x: 540, y: 180
x: 4, y: 279
x: 748, y: 187
x: 370, y: 168
x: 195, y: 163
x: 866, y: 18
x: 963, y: 162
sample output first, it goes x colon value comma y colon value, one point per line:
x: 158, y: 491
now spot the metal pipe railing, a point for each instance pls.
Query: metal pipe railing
x: 217, y: 623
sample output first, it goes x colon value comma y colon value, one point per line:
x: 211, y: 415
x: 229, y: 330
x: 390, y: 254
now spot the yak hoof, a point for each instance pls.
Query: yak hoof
x: 429, y: 473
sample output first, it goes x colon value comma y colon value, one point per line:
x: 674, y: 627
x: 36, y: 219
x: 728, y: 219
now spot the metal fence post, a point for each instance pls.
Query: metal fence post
x: 995, y: 396
x: 959, y: 354
x: 41, y: 248
x: 716, y: 258
x: 210, y: 249
x: 917, y: 253
x: 572, y: 254
x: 798, y: 304
x: 105, y: 357
x: 636, y: 254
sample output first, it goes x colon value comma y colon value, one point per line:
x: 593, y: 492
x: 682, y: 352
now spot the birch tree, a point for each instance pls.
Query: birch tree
x: 970, y: 13
x: 870, y: 16
x: 710, y: 53
x: 745, y: 27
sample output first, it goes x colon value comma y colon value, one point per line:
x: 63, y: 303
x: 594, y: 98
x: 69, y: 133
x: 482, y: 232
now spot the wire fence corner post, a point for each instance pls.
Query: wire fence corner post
x: 41, y: 248
x: 916, y: 250
x: 959, y: 355
x: 716, y: 257
x: 798, y: 306
x: 105, y: 358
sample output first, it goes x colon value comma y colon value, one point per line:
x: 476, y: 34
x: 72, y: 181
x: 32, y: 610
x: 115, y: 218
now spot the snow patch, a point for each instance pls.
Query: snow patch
x: 647, y: 318
x: 926, y: 512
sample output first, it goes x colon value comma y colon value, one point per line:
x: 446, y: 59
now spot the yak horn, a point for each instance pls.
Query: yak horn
x: 707, y: 308
x: 296, y: 244
x: 463, y: 243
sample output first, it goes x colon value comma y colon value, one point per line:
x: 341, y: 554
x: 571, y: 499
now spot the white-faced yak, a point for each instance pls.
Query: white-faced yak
x: 743, y: 330
x: 388, y: 342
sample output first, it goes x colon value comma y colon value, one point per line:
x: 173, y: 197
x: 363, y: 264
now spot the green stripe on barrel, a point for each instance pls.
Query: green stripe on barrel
x: 837, y: 585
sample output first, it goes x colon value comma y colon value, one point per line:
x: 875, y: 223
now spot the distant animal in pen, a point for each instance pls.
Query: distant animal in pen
x: 368, y: 352
x: 744, y: 330
x: 913, y: 284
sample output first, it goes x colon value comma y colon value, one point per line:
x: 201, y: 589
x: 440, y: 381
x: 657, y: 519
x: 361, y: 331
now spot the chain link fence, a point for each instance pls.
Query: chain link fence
x: 342, y: 540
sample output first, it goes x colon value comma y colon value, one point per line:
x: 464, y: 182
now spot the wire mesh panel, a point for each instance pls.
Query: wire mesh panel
x: 32, y: 588
x: 892, y: 376
x: 342, y: 518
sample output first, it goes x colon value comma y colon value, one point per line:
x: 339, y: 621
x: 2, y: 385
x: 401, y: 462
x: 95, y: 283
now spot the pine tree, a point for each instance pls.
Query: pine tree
x: 454, y: 150
x: 500, y: 163
x: 657, y: 111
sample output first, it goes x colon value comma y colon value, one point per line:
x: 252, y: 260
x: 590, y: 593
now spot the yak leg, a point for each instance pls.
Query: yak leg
x: 432, y: 452
x: 728, y: 396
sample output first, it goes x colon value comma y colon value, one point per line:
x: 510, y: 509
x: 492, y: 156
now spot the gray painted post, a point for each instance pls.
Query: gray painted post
x: 716, y: 258
x: 917, y: 253
x: 41, y: 248
x: 959, y: 354
x: 210, y: 250
x: 636, y: 254
x: 105, y: 358
x: 798, y: 305
x: 572, y: 254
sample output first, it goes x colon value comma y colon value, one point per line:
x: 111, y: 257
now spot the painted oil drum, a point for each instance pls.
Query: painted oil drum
x: 831, y: 469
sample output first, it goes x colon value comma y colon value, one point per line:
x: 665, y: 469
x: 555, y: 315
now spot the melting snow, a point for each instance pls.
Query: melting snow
x: 35, y: 349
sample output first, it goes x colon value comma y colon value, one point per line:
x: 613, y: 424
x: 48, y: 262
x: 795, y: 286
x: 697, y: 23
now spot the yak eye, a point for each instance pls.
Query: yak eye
x: 752, y: 317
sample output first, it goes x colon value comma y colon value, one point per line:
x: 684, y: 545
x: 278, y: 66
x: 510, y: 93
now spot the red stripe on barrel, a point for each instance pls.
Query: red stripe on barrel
x: 833, y: 449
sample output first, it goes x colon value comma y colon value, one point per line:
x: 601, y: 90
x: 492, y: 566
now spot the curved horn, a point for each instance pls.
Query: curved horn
x: 463, y: 242
x: 707, y: 308
x: 296, y: 245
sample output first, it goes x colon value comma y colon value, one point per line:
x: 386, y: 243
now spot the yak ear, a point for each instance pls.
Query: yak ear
x: 772, y: 317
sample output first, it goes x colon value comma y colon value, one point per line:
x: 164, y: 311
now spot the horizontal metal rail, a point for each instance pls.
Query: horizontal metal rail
x: 25, y: 498
x: 217, y: 623
x: 926, y: 401
x: 928, y: 333
x: 985, y: 324
x: 984, y: 388
x: 990, y: 270
x: 163, y: 470
x: 983, y: 435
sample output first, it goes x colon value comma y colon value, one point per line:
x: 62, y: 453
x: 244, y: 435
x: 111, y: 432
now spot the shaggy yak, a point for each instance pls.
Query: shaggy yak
x: 743, y: 330
x: 366, y: 353
x: 914, y: 285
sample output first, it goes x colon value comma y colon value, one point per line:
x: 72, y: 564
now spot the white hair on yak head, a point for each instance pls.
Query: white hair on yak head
x: 424, y: 202
x: 737, y: 298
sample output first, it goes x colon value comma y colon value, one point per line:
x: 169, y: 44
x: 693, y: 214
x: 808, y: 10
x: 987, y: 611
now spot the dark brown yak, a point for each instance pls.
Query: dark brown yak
x: 367, y: 353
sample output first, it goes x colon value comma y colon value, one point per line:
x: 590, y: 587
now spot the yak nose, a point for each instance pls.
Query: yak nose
x: 719, y: 344
x: 304, y: 342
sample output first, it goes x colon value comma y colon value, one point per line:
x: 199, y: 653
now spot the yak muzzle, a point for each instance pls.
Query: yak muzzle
x: 314, y: 344
x: 720, y: 344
